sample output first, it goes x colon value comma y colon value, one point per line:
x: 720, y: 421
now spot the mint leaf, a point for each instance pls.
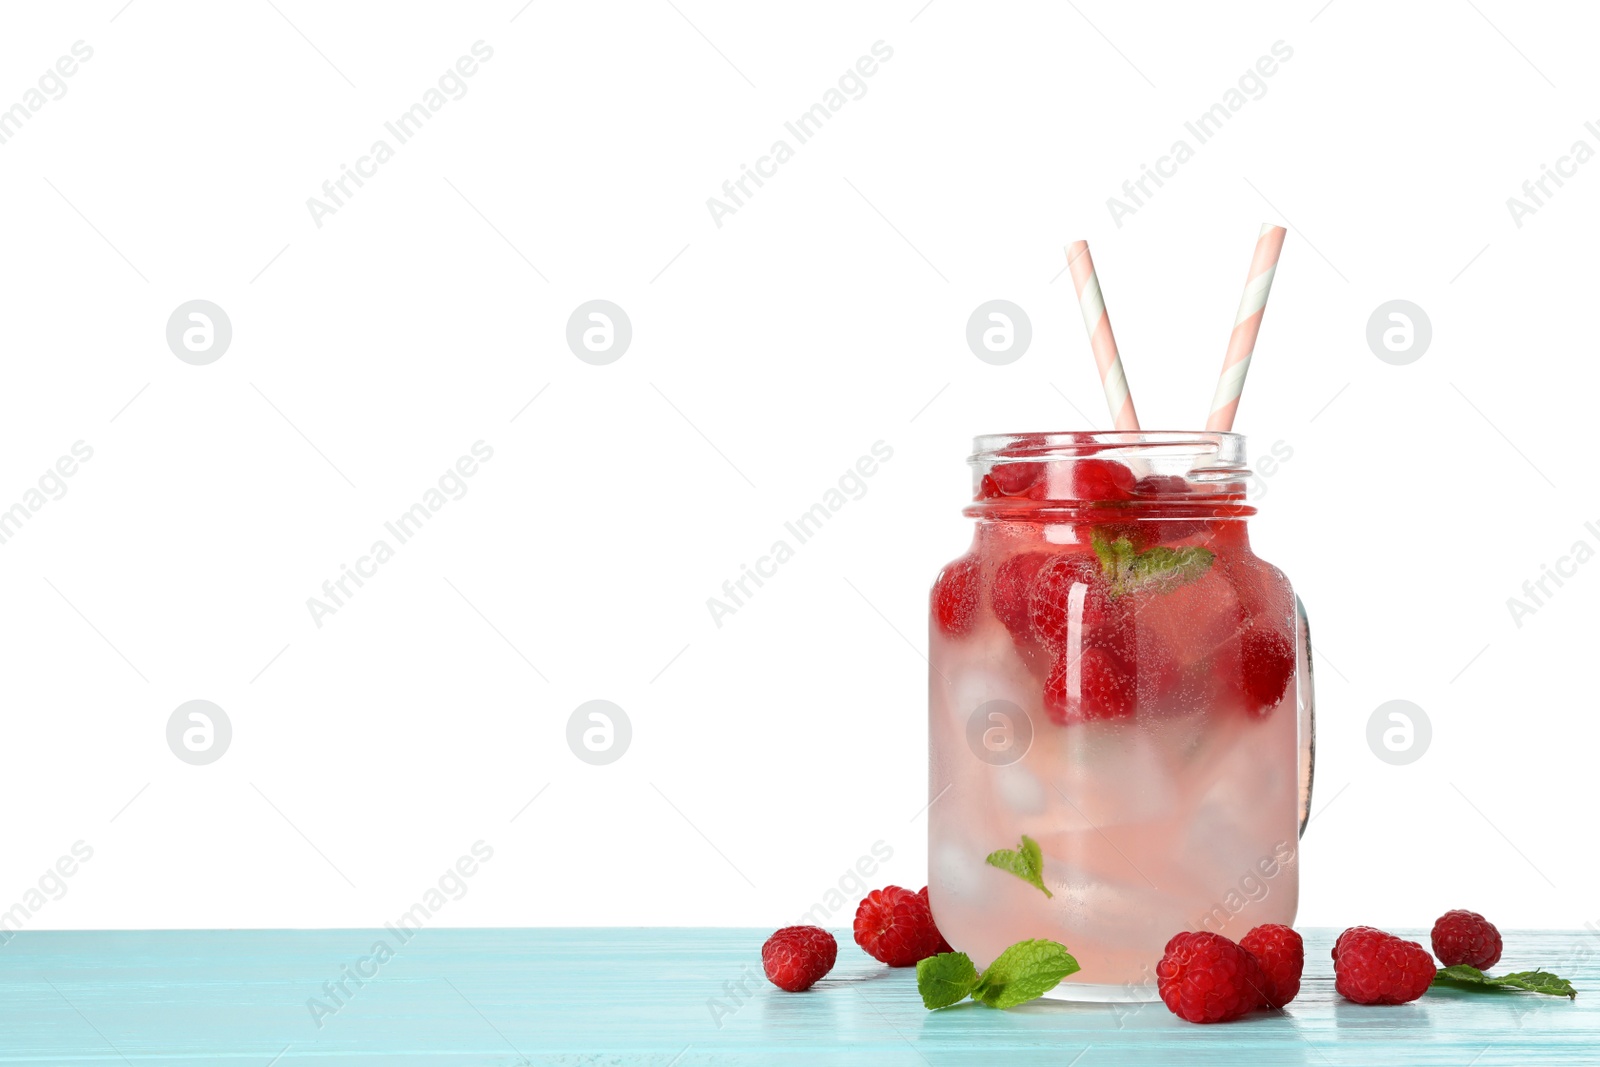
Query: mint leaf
x: 1025, y: 861
x: 1159, y: 569
x: 1024, y: 971
x: 1115, y: 556
x: 1462, y: 976
x: 946, y: 979
x: 1163, y: 569
x: 1116, y: 560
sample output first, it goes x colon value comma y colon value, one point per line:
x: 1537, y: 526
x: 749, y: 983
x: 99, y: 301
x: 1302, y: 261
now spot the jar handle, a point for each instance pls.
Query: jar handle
x: 1305, y: 698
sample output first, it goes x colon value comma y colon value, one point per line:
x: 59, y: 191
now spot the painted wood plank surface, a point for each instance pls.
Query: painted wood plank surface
x: 682, y: 997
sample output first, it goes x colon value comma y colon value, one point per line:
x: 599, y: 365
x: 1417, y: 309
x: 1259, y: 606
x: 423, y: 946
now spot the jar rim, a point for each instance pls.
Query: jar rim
x: 1197, y: 473
x: 1228, y: 448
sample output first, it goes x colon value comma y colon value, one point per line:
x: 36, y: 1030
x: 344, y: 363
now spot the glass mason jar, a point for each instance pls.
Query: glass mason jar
x: 1120, y: 707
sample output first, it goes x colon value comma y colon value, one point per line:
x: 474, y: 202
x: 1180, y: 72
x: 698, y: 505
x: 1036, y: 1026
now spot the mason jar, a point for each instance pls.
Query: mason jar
x: 1120, y: 707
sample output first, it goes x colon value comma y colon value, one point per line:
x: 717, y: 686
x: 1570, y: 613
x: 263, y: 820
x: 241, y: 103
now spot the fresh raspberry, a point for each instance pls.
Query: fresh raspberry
x: 796, y: 956
x: 1205, y: 978
x: 1466, y: 937
x: 1013, y: 479
x: 942, y: 945
x: 1049, y: 597
x: 895, y: 926
x: 1266, y: 661
x: 955, y: 596
x: 1101, y: 480
x: 1372, y: 967
x: 1105, y: 687
x: 1282, y: 955
x: 1177, y: 939
x: 1160, y: 485
x: 1351, y: 936
x: 1008, y: 596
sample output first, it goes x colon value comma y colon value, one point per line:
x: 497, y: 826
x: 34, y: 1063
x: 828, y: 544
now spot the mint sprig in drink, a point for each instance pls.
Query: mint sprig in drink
x: 1120, y: 702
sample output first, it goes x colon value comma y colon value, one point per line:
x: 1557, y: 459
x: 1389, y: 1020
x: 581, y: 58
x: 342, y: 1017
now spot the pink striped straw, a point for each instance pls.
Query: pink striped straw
x: 1098, y: 323
x: 1246, y: 324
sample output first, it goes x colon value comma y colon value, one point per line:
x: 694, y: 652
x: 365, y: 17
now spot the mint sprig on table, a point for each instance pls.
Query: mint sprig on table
x: 1461, y: 976
x: 1025, y: 861
x: 1022, y: 972
x: 1159, y: 569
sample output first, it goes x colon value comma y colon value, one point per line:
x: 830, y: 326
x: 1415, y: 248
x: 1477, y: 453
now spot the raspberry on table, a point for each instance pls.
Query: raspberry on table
x: 1282, y: 955
x: 1206, y: 978
x: 1462, y: 936
x: 895, y: 926
x: 941, y: 945
x: 1352, y: 935
x: 1176, y: 939
x: 955, y: 596
x: 796, y: 956
x: 1373, y: 967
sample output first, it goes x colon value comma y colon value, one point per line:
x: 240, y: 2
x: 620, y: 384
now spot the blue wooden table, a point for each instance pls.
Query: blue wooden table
x: 682, y: 997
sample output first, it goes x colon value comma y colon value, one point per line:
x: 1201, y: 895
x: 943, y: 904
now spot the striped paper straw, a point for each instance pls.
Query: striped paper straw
x: 1236, y: 364
x: 1098, y: 323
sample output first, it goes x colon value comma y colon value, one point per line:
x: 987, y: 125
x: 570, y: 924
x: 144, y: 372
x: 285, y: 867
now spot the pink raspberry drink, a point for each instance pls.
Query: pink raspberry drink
x: 1120, y: 706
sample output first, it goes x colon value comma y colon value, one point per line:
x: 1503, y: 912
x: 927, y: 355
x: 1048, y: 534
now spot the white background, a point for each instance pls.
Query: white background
x: 768, y: 354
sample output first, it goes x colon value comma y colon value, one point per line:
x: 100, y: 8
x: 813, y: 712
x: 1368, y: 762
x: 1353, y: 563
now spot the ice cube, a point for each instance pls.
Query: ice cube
x: 1019, y: 790
x: 959, y: 868
x: 1217, y: 849
x: 1117, y: 907
x: 1112, y: 774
